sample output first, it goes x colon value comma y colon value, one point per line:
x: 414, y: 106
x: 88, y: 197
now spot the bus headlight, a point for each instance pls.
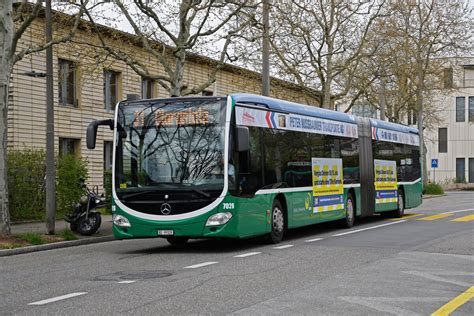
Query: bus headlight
x: 219, y: 219
x: 120, y: 221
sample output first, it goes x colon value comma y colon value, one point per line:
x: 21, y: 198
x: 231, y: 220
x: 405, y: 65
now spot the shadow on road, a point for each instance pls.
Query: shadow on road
x: 235, y: 245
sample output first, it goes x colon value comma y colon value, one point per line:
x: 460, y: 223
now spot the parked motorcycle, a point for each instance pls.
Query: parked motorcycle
x: 85, y: 219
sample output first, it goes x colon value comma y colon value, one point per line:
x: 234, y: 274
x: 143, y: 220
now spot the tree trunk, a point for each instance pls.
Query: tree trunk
x: 419, y: 103
x: 6, y: 36
x: 177, y: 83
x: 327, y: 84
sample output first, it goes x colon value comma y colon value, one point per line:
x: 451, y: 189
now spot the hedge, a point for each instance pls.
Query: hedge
x: 26, y: 183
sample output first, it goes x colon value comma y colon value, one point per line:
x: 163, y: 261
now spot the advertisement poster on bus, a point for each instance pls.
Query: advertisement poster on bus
x: 294, y: 122
x: 385, y: 181
x: 328, y: 186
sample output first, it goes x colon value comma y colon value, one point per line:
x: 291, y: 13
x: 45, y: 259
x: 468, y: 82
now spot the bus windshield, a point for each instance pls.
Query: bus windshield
x: 170, y: 146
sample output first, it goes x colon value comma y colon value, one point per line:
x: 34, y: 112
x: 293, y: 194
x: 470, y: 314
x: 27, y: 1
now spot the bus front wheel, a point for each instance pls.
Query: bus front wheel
x: 350, y: 212
x: 278, y: 223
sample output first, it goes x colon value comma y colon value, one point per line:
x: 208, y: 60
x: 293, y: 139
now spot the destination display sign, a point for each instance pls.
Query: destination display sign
x: 171, y: 118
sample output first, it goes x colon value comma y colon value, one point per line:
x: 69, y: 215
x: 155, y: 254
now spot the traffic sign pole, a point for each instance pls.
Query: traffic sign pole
x: 434, y: 165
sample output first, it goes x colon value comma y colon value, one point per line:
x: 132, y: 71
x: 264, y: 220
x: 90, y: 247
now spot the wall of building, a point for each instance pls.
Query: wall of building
x: 27, y: 111
x: 460, y: 135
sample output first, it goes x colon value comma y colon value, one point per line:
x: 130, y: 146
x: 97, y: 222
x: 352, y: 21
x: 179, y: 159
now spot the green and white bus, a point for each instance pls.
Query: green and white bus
x: 246, y: 165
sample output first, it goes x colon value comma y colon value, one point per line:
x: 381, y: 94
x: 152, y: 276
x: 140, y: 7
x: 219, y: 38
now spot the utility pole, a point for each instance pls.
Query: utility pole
x: 50, y: 166
x: 266, y: 49
x: 383, y: 101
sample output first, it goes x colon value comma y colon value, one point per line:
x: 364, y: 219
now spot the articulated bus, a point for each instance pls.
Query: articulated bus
x: 246, y: 165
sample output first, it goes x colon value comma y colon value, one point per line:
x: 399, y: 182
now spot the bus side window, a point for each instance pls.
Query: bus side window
x: 250, y: 180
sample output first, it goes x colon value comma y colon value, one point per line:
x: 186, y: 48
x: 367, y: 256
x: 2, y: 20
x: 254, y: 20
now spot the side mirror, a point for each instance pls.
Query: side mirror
x: 243, y: 139
x: 92, y: 131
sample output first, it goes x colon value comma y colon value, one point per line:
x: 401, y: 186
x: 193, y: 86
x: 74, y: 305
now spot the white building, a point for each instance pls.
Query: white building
x: 451, y: 141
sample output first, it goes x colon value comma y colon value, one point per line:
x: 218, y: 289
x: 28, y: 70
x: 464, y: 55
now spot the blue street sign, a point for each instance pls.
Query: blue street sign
x: 434, y: 163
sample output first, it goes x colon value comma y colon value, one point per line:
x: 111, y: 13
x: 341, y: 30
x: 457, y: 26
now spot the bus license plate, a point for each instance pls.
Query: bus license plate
x: 167, y: 232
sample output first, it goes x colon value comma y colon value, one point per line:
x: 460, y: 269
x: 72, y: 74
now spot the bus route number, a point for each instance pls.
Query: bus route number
x: 228, y: 206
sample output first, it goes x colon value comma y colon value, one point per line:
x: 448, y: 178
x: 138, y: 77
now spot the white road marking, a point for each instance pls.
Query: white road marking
x: 360, y: 230
x: 283, y: 247
x: 452, y: 212
x: 201, y: 265
x: 127, y: 281
x: 57, y: 298
x: 248, y: 254
x: 315, y: 239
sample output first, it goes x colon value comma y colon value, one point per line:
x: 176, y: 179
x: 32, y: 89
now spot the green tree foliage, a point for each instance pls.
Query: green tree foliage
x: 434, y: 189
x: 69, y: 170
x: 26, y: 180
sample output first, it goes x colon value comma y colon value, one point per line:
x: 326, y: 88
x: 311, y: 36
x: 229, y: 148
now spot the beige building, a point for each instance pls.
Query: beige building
x: 451, y: 141
x: 87, y: 85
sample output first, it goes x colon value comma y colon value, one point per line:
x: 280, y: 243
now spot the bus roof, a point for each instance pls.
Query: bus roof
x: 393, y: 126
x: 286, y: 106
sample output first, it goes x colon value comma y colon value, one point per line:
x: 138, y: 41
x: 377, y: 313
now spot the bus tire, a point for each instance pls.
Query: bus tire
x: 177, y: 241
x: 277, y: 222
x: 400, y: 211
x: 350, y: 212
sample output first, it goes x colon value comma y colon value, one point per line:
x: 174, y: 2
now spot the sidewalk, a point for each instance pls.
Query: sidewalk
x: 40, y: 227
x: 103, y: 234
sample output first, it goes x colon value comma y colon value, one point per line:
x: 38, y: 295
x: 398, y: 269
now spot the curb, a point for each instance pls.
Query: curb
x: 55, y: 245
x: 433, y: 196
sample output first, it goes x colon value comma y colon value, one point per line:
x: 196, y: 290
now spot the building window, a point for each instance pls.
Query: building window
x: 460, y: 170
x: 471, y: 170
x: 412, y: 116
x: 442, y: 140
x: 68, y: 146
x: 148, y: 87
x: 471, y: 109
x: 108, y: 146
x: 111, y: 90
x: 67, y: 83
x: 364, y: 110
x: 207, y: 93
x: 469, y: 76
x: 460, y: 109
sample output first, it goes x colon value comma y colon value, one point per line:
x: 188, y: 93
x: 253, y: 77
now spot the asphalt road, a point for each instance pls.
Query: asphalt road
x: 412, y: 266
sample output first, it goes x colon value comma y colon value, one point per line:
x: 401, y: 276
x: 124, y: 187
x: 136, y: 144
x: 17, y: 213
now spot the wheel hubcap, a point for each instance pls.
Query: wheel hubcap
x: 350, y: 210
x: 400, y: 203
x: 87, y: 224
x: 278, y: 220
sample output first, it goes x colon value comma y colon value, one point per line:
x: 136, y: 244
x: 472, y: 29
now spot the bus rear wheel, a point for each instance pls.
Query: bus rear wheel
x: 400, y: 211
x: 177, y: 241
x: 350, y: 211
x: 278, y: 223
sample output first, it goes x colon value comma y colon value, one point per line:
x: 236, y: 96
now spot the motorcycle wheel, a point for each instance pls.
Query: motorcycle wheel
x: 89, y: 225
x: 73, y: 227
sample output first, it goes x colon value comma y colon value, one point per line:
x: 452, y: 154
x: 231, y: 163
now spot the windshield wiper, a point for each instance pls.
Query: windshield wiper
x: 201, y: 192
x: 126, y: 196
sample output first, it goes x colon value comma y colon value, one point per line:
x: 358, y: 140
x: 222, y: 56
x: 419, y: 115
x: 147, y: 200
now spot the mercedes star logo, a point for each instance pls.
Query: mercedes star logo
x: 165, y: 208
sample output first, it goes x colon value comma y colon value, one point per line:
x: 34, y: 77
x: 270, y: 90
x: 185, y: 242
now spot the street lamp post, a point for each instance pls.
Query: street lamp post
x: 266, y: 49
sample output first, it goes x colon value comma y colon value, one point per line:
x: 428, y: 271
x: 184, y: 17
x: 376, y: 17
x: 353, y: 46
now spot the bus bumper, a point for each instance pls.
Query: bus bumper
x: 197, y: 229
